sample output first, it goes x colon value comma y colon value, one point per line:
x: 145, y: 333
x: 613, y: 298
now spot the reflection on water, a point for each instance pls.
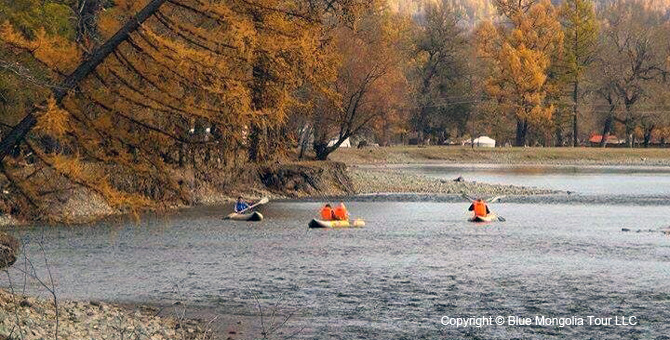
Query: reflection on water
x: 591, y: 180
x: 414, y: 263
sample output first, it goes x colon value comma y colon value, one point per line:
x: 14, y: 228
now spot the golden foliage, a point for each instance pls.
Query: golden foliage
x: 53, y: 121
x: 53, y: 50
x: 520, y: 58
x: 234, y: 68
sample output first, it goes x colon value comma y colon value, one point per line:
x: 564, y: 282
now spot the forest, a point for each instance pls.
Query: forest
x: 122, y: 97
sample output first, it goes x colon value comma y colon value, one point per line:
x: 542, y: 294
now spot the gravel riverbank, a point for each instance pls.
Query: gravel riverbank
x: 34, y: 318
x: 368, y: 181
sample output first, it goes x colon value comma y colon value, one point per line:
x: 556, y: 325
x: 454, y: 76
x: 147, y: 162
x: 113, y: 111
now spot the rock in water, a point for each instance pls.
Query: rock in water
x: 459, y: 179
x: 9, y: 247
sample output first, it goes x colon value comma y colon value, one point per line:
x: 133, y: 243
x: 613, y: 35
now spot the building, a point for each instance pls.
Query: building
x: 485, y: 142
x: 595, y: 139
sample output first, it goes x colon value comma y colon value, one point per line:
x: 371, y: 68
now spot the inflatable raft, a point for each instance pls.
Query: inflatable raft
x: 357, y: 223
x: 488, y: 218
x: 254, y: 216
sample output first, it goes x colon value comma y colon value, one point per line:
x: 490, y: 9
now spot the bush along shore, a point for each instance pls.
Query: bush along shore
x: 29, y: 318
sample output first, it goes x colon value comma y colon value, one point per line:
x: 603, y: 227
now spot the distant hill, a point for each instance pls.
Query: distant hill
x: 473, y: 11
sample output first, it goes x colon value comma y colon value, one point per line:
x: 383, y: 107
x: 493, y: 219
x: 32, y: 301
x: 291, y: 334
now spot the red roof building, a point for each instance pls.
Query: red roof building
x: 595, y: 139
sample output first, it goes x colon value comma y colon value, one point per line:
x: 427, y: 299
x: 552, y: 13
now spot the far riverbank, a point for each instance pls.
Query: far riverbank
x: 462, y: 155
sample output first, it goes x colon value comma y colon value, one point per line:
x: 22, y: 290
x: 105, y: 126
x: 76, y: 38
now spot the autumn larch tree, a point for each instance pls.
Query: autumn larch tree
x: 580, y: 27
x: 186, y: 86
x: 521, y: 52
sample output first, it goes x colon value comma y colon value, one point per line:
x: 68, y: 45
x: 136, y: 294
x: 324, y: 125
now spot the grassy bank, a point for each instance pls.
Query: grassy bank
x: 458, y: 154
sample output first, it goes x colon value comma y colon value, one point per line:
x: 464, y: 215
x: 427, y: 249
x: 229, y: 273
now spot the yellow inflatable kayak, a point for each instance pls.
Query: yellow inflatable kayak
x: 357, y: 223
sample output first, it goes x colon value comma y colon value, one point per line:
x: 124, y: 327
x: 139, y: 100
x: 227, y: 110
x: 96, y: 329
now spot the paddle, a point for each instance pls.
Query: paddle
x: 495, y: 199
x: 263, y: 200
x: 464, y: 195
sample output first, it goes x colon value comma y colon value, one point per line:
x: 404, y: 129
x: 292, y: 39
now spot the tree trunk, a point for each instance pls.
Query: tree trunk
x: 575, y: 130
x: 607, y: 129
x: 321, y: 150
x: 304, y: 139
x: 647, y: 136
x: 559, y: 137
x: 521, y: 132
x: 16, y: 135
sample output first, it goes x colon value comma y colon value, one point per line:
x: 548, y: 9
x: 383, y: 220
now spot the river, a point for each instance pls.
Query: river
x: 416, y: 262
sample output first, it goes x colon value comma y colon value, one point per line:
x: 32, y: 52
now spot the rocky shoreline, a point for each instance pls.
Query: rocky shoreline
x: 31, y: 318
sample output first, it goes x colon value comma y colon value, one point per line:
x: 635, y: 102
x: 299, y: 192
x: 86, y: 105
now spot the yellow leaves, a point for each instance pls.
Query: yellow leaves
x: 10, y: 36
x: 54, y: 51
x: 57, y: 52
x: 54, y: 120
x: 108, y: 23
x: 521, y: 57
x: 93, y: 177
x: 66, y: 165
x: 487, y: 39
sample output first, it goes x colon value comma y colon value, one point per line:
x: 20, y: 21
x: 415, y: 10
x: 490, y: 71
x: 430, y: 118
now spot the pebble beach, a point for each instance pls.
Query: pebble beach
x: 369, y: 181
x: 32, y: 318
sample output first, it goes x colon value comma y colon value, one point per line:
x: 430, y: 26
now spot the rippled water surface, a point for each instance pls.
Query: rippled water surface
x: 597, y: 180
x: 414, y: 263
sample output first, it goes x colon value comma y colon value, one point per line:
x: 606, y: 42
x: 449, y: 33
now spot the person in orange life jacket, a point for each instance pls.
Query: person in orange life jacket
x: 327, y: 213
x: 479, y: 207
x: 341, y: 213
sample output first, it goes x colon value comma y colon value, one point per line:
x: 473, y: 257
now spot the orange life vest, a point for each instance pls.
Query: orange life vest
x: 479, y: 208
x: 326, y: 213
x: 341, y: 212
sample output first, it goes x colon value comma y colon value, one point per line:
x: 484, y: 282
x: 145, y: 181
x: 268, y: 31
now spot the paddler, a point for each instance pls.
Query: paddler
x: 241, y: 205
x: 480, y: 208
x: 327, y: 213
x: 340, y: 212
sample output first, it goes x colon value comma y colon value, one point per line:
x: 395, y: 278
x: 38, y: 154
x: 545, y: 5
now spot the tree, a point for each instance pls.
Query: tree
x: 17, y: 134
x: 633, y: 59
x: 580, y: 28
x: 176, y: 85
x: 441, y: 76
x: 520, y: 54
x: 370, y: 79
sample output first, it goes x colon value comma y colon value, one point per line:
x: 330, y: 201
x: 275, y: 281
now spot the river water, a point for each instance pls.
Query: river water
x: 416, y: 262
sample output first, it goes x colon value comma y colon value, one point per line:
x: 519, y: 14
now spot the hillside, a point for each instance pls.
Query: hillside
x: 476, y: 10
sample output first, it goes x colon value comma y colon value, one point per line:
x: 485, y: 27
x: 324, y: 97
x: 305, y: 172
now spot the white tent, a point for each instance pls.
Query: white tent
x: 345, y: 144
x: 485, y: 141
